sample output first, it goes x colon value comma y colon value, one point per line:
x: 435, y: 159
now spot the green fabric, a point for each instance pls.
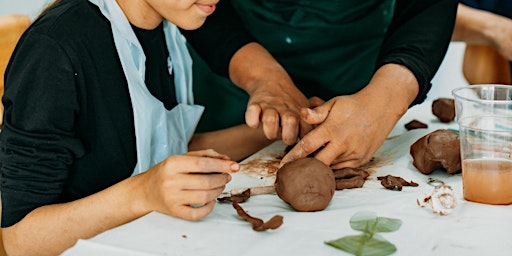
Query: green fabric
x: 314, y: 40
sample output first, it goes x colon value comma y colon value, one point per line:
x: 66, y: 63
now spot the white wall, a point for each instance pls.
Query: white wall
x: 449, y: 75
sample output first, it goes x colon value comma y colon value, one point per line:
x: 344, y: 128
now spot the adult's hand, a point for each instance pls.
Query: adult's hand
x: 349, y: 129
x: 475, y: 26
x: 502, y: 36
x: 275, y: 101
x: 277, y: 108
x: 348, y: 133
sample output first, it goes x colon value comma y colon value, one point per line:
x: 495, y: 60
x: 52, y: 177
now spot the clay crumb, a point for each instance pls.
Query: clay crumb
x: 415, y: 124
x: 395, y: 183
x: 236, y: 198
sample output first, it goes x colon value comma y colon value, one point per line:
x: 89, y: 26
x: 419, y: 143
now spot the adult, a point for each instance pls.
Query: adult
x: 486, y: 28
x: 370, y: 60
x: 98, y: 117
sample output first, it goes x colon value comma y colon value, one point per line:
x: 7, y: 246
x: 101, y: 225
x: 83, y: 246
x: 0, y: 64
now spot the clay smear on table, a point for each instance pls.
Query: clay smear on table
x: 262, y: 167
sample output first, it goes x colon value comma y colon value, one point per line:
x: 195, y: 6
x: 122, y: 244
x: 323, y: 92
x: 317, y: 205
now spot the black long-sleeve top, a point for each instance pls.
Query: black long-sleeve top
x: 68, y: 128
x: 417, y: 38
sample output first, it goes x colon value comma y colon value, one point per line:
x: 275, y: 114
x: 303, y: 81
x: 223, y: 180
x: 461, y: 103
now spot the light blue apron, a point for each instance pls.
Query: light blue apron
x: 159, y: 132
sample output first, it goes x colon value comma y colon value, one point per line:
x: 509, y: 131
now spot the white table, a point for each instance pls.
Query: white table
x: 470, y: 229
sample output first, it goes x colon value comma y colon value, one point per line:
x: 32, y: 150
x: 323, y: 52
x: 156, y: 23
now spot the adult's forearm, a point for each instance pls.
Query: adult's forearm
x: 51, y: 229
x: 390, y: 92
x: 474, y: 26
x: 252, y: 64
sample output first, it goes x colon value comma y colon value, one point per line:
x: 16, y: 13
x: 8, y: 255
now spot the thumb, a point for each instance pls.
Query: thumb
x: 316, y: 115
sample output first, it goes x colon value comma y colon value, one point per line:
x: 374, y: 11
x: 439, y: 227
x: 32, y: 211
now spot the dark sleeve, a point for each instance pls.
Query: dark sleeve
x: 219, y: 38
x: 418, y: 38
x: 37, y: 142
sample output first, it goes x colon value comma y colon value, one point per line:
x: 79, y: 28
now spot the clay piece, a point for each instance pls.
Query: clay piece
x: 347, y: 178
x: 236, y: 198
x: 395, y: 183
x: 438, y: 149
x: 415, y: 124
x: 306, y: 184
x: 258, y: 224
x: 444, y: 109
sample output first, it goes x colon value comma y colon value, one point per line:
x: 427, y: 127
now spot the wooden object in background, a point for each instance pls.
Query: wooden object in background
x: 11, y: 28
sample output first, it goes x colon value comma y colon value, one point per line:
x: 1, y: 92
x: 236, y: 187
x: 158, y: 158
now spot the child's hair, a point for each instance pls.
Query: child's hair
x: 48, y: 8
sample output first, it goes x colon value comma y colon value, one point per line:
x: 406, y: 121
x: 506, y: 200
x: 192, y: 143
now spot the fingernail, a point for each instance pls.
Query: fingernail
x: 235, y: 167
x: 307, y: 113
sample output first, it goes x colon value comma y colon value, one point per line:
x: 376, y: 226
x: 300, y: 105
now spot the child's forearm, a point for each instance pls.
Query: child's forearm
x: 237, y: 142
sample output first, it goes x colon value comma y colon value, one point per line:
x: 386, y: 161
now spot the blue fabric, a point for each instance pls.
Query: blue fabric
x: 501, y: 7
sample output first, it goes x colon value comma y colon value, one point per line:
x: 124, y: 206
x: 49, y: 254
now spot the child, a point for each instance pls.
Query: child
x: 98, y: 116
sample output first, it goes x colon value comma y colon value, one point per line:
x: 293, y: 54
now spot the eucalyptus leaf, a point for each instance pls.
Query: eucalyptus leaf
x: 370, y: 242
x: 363, y: 245
x: 369, y: 222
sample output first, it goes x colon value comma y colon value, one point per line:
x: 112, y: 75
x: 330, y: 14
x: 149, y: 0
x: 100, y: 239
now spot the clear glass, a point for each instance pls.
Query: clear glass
x: 484, y: 115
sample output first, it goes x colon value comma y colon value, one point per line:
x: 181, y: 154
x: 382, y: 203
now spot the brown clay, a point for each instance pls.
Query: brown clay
x: 415, y: 124
x: 353, y: 182
x: 395, y: 182
x: 438, y: 149
x: 444, y: 109
x: 306, y: 184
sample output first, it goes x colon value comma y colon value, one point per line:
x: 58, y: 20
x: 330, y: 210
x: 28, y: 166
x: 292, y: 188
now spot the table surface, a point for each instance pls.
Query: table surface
x: 470, y: 229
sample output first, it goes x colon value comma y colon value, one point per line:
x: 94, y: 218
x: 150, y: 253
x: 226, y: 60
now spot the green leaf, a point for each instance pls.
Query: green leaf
x: 363, y: 245
x: 369, y: 222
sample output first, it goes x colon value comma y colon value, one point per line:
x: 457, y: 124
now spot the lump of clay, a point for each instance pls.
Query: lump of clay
x: 440, y: 148
x: 415, y: 124
x: 350, y: 178
x: 395, y: 182
x: 444, y: 109
x: 306, y: 184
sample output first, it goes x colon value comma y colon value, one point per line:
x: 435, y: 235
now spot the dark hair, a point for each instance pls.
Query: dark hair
x: 48, y: 8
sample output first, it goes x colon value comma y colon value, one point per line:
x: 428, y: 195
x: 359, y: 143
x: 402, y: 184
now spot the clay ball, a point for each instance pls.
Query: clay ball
x: 306, y: 184
x: 444, y: 109
x: 438, y: 149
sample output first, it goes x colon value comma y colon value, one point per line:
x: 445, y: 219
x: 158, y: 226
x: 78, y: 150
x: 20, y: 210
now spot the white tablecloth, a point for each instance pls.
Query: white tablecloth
x: 470, y: 229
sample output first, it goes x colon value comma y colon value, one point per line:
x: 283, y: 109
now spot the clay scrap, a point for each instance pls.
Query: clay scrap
x: 415, y: 124
x: 258, y: 224
x: 395, y: 183
x: 347, y: 178
x: 438, y: 149
x: 444, y: 109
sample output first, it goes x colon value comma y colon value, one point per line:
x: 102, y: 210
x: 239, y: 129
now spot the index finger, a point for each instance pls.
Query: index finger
x: 252, y: 115
x: 195, y: 164
x: 307, y: 145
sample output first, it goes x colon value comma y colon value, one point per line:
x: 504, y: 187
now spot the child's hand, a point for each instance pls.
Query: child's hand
x: 177, y: 185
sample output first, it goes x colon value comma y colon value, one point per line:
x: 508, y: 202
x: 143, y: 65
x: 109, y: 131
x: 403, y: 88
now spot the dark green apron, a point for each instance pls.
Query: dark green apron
x: 329, y: 48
